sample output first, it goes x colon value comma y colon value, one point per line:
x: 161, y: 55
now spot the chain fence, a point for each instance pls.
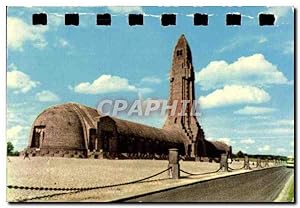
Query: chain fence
x: 200, y: 173
x: 75, y: 190
x: 230, y: 168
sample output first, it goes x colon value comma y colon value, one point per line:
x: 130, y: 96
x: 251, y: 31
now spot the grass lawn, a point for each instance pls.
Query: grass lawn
x: 290, y: 197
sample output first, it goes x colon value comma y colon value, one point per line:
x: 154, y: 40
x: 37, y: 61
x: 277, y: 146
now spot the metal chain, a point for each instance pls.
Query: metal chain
x: 230, y: 168
x: 74, y: 190
x: 200, y: 173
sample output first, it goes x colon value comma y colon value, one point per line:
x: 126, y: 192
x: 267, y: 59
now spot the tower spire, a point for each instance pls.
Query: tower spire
x: 182, y: 92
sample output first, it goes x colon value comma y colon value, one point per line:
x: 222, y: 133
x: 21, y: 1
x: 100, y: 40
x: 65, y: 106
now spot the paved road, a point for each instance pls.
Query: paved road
x: 258, y: 186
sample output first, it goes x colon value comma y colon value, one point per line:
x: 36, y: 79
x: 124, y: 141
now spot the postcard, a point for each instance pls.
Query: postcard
x: 150, y: 104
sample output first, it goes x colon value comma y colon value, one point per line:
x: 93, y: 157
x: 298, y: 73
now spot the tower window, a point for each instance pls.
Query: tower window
x: 179, y: 53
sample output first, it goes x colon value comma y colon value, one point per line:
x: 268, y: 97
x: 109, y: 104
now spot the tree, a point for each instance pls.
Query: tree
x: 240, y: 154
x: 10, y: 148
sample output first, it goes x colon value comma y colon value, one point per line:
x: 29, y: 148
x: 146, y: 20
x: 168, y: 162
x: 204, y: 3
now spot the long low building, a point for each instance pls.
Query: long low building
x: 126, y: 139
x: 75, y: 130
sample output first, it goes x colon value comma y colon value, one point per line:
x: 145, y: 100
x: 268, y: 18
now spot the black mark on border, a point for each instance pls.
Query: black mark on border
x: 266, y: 19
x: 233, y: 19
x: 200, y: 19
x: 168, y: 19
x: 39, y: 19
x: 104, y: 19
x: 72, y: 19
x: 135, y: 19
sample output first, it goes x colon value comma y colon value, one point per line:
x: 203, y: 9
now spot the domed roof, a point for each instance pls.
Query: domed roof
x: 64, y: 126
x: 132, y: 129
x: 221, y: 146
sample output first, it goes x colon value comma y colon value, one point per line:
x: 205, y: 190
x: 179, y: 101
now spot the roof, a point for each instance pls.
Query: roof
x: 182, y: 43
x: 132, y: 129
x: 221, y: 145
x: 87, y: 114
x: 65, y: 125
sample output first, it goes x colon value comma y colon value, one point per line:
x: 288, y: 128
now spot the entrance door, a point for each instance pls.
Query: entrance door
x: 38, y: 136
x: 106, y: 135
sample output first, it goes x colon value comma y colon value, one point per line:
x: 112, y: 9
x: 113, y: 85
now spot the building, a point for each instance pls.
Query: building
x: 63, y: 130
x: 74, y: 130
x: 182, y: 79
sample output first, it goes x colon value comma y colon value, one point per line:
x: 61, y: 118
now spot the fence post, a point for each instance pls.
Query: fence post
x: 246, y: 163
x: 174, y: 172
x: 224, y: 162
x: 258, y: 163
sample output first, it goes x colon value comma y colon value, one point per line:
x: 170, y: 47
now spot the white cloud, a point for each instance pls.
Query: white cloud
x: 47, y: 96
x: 247, y: 141
x: 63, y: 43
x: 145, y: 90
x: 151, y: 80
x: 262, y: 132
x: 250, y: 70
x: 234, y: 94
x: 105, y: 84
x: 20, y: 116
x: 251, y: 110
x: 279, y: 11
x: 288, y: 47
x: 292, y: 143
x: 17, y: 109
x: 56, y: 19
x: 282, y: 122
x: 19, y: 32
x: 240, y: 42
x: 271, y: 122
x: 265, y: 148
x: 262, y: 39
x: 16, y: 133
x: 226, y: 140
x: 14, y: 116
x: 19, y: 81
x: 126, y: 9
x: 282, y: 131
x: 280, y: 150
x: 261, y: 117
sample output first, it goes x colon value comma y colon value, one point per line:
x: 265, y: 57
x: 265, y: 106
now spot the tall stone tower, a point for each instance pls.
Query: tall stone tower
x: 182, y: 91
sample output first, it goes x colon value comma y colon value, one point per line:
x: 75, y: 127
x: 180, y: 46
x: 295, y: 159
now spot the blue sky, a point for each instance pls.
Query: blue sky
x: 244, y: 75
